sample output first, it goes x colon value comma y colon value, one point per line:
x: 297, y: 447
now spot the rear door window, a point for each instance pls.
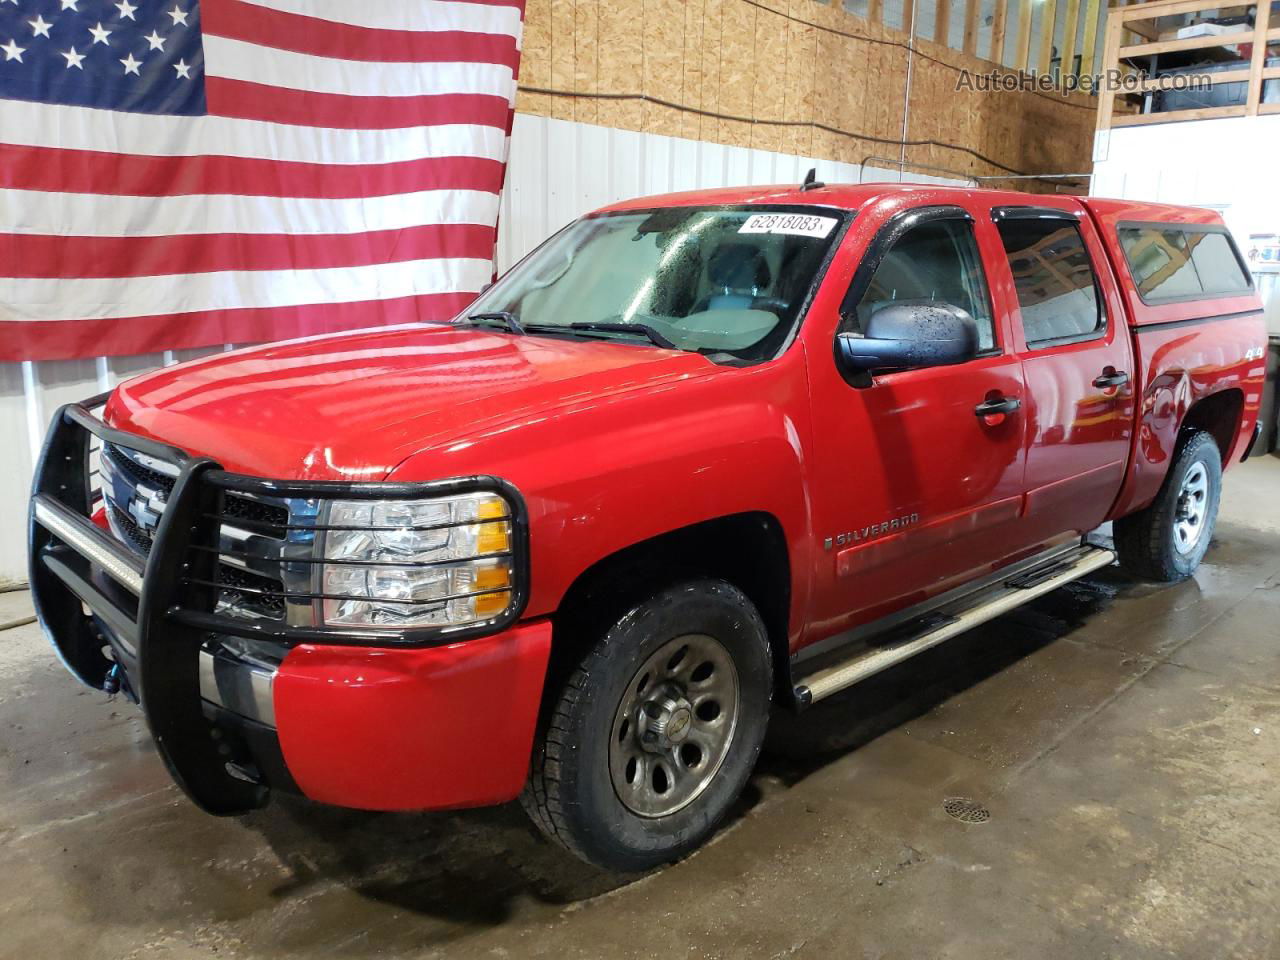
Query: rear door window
x: 1171, y: 262
x: 1054, y: 278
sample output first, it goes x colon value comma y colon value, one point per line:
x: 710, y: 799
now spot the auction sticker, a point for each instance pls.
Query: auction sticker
x: 790, y: 224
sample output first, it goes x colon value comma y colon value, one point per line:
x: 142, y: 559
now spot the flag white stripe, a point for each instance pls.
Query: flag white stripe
x: 85, y: 128
x: 98, y: 215
x: 421, y: 15
x: 48, y: 300
x: 249, y: 62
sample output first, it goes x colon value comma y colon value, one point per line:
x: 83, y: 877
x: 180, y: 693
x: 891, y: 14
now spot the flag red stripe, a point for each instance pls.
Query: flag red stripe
x: 28, y: 255
x: 257, y: 101
x: 94, y: 338
x: 237, y: 20
x: 119, y: 174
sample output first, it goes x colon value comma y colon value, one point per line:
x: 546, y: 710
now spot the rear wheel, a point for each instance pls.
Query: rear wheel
x: 655, y: 732
x: 1168, y: 539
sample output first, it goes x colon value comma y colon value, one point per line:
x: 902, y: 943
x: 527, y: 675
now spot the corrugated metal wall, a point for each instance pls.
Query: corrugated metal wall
x: 558, y: 170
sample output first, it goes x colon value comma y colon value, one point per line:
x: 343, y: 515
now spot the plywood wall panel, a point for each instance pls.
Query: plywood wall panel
x: 663, y: 26
x: 768, y: 75
x: 712, y: 36
x: 800, y: 99
x: 694, y: 87
x: 737, y: 81
x: 620, y: 64
x: 563, y: 56
x: 535, y: 59
x: 768, y: 72
x: 586, y: 58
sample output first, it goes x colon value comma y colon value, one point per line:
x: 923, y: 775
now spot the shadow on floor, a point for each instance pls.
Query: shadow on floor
x: 469, y: 868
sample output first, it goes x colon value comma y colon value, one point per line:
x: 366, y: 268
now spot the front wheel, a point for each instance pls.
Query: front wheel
x: 655, y: 732
x: 1167, y: 540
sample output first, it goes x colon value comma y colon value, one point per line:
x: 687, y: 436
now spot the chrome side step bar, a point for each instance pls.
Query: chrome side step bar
x: 950, y: 621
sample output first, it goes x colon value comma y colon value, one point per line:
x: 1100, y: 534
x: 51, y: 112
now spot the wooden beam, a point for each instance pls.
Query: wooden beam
x: 1110, y: 44
x: 1257, y: 65
x: 1186, y: 43
x: 971, y: 10
x: 875, y: 11
x: 998, y: 22
x: 1090, y: 37
x: 908, y: 14
x: 1070, y: 27
x: 1022, y: 59
x: 1047, y: 22
x: 1227, y: 76
x: 942, y: 22
x: 1164, y: 8
x: 1174, y: 116
x: 1148, y: 30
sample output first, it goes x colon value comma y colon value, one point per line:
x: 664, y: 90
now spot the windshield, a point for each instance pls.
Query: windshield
x: 715, y: 280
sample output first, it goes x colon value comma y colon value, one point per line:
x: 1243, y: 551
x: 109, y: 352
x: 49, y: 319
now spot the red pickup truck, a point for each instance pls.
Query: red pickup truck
x: 695, y: 456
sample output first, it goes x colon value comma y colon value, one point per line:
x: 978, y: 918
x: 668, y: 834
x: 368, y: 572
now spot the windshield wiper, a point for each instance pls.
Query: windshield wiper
x: 639, y: 329
x: 505, y: 318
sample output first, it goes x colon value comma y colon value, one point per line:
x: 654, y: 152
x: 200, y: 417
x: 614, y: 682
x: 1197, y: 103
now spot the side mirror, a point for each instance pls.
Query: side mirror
x: 908, y: 334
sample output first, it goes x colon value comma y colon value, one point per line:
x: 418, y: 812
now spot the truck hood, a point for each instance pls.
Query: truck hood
x: 352, y: 406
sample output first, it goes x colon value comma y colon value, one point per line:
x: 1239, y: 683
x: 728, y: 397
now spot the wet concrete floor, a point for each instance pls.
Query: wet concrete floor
x: 1123, y: 738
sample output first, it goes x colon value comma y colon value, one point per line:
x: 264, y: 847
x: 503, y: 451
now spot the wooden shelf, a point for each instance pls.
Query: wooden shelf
x: 1226, y: 76
x: 1175, y: 116
x: 1187, y: 43
x: 1140, y: 19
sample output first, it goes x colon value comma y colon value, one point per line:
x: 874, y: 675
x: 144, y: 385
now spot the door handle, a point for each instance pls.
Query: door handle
x: 1112, y: 379
x: 996, y: 407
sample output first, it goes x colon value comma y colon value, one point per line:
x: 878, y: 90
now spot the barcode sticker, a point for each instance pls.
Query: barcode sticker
x: 790, y: 224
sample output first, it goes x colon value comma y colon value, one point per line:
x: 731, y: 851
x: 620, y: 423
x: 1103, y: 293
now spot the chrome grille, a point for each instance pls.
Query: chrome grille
x: 136, y: 472
x: 235, y: 507
x: 128, y: 531
x: 242, y: 591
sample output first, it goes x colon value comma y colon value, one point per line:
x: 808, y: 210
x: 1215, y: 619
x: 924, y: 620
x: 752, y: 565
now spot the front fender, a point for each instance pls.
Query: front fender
x: 599, y: 476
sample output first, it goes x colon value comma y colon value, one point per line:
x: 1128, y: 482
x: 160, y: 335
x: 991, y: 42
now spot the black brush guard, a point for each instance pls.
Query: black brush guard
x: 159, y: 611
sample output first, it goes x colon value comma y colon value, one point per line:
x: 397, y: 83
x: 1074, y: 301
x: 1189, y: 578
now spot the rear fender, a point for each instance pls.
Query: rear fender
x: 1209, y: 375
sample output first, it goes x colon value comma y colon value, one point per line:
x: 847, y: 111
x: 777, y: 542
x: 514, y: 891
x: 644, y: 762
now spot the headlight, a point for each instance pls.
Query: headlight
x: 401, y: 564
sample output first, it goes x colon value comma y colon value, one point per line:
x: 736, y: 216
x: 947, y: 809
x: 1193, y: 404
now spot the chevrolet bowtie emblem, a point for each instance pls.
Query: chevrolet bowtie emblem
x: 146, y: 506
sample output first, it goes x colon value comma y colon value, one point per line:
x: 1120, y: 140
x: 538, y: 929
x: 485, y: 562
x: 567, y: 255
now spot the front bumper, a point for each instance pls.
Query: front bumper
x: 344, y: 715
x: 385, y: 729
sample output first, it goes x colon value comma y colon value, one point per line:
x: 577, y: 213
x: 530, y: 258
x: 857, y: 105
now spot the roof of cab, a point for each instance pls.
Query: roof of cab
x: 856, y: 195
x: 843, y: 196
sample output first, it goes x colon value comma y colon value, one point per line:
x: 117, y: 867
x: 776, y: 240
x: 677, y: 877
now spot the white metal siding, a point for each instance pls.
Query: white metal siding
x: 558, y: 171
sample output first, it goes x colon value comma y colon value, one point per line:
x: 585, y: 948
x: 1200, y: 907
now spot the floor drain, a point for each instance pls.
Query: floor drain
x: 966, y: 810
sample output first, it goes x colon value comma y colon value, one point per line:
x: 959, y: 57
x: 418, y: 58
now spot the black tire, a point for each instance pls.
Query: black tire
x: 1147, y: 541
x: 571, y: 792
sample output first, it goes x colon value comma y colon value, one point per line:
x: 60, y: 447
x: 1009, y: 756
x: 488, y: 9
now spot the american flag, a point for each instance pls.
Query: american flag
x: 178, y: 173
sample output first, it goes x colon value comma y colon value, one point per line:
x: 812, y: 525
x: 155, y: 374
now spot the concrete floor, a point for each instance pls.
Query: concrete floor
x: 1125, y: 739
